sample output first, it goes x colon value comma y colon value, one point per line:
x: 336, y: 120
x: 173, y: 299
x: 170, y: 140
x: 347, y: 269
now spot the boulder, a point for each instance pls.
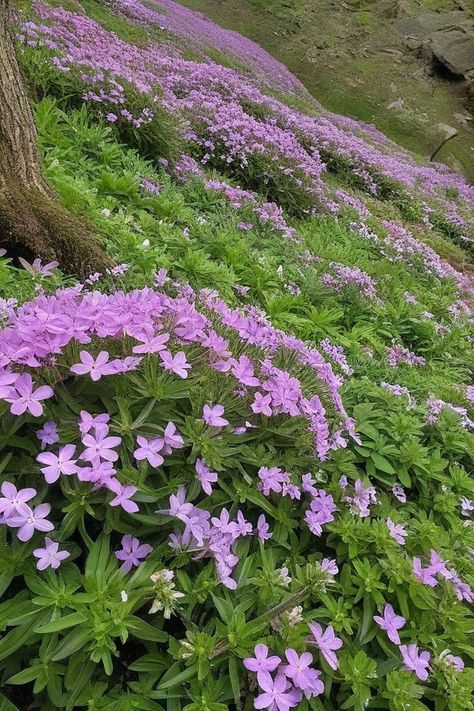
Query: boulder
x: 449, y: 37
x: 454, y: 48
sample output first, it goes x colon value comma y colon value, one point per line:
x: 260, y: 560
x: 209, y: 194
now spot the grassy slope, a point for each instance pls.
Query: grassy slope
x: 99, y: 176
x: 338, y: 50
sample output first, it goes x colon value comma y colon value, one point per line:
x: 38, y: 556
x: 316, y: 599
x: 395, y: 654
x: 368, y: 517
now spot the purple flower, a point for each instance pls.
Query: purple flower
x: 29, y: 521
x: 261, y: 663
x: 149, y: 450
x: 14, y: 501
x: 175, y: 364
x: 87, y: 421
x: 23, y: 397
x: 466, y: 506
x: 299, y: 671
x: 171, y: 439
x: 205, y: 476
x: 329, y: 566
x: 178, y: 507
x: 263, y: 529
x: 62, y: 463
x: 453, y: 661
x: 151, y: 343
x: 272, y: 479
x: 96, y: 368
x: 212, y: 416
x: 397, y: 531
x: 276, y: 695
x: 243, y: 527
x: 399, y: 493
x: 132, y: 552
x: 48, y: 434
x: 123, y: 496
x: 261, y: 404
x: 100, y: 446
x: 390, y: 623
x: 50, y: 556
x: 426, y: 575
x: 415, y: 661
x: 326, y: 642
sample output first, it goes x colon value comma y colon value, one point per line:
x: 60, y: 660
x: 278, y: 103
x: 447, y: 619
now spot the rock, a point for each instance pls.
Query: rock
x: 424, y: 24
x: 389, y: 8
x: 463, y: 119
x: 448, y: 36
x: 454, y: 49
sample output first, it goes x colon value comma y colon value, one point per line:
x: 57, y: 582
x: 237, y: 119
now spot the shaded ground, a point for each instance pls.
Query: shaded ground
x: 351, y: 58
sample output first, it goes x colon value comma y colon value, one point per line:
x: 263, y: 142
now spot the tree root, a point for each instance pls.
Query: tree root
x: 32, y: 225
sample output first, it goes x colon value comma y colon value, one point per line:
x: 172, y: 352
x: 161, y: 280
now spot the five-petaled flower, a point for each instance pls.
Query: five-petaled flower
x: 50, y: 556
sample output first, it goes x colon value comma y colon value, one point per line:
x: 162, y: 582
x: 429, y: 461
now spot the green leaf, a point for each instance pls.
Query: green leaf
x: 179, y: 678
x: 27, y: 675
x: 234, y: 680
x: 74, y: 641
x: 75, y: 618
x: 143, y: 630
x: 382, y: 463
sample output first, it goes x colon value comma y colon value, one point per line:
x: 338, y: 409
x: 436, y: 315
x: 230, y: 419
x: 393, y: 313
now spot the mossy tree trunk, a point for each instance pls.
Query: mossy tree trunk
x: 33, y: 222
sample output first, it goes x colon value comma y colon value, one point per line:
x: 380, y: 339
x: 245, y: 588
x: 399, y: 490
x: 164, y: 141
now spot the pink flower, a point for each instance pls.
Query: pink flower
x: 132, y: 552
x: 50, y: 556
x: 276, y: 694
x: 62, y: 463
x: 14, y: 501
x: 415, y: 661
x: 390, y: 622
x: 261, y: 663
x: 96, y: 368
x: 397, y: 531
x: 29, y: 521
x: 326, y: 642
x: 23, y: 397
x: 213, y: 416
x: 149, y: 450
x: 175, y: 364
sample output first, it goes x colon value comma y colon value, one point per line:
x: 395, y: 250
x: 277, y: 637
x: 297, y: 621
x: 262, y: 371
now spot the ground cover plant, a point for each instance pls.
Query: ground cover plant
x: 237, y: 468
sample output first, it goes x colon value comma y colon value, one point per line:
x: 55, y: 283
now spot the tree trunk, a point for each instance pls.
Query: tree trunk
x: 33, y: 222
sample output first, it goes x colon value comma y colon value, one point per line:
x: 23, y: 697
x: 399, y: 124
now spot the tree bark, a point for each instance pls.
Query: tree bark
x: 18, y: 143
x: 33, y: 222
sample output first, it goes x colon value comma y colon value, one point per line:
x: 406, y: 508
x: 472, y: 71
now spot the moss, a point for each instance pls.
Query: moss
x: 34, y: 226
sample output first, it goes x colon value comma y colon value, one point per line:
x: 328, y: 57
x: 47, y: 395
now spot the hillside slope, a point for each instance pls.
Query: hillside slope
x: 353, y: 58
x: 247, y: 447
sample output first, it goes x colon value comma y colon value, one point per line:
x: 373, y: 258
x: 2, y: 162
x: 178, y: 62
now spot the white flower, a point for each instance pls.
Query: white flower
x: 123, y: 596
x: 146, y: 243
x: 105, y: 212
